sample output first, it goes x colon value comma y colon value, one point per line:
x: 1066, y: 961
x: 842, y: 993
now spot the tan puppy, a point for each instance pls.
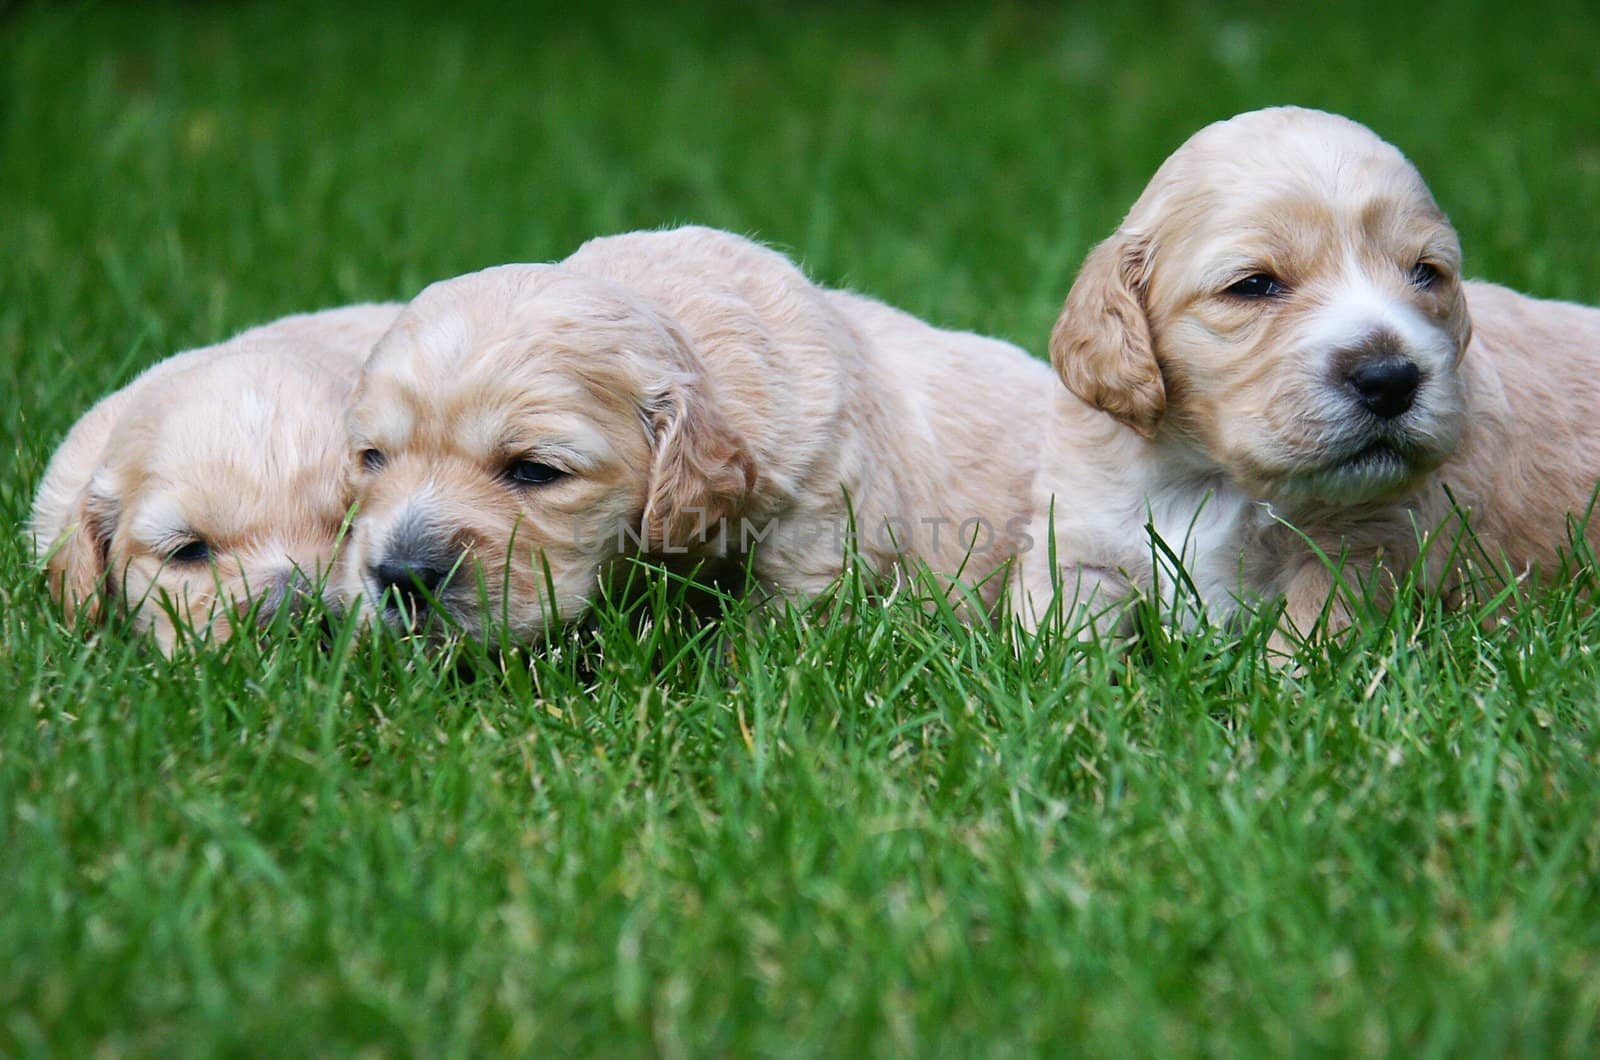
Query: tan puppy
x: 214, y: 478
x: 683, y: 394
x: 1279, y: 332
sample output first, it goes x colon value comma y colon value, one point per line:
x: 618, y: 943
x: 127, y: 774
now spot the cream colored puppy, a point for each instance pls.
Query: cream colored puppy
x: 212, y: 480
x: 686, y: 395
x: 1278, y: 332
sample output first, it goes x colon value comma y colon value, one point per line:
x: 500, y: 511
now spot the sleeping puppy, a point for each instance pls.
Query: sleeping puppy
x: 213, y: 480
x: 1278, y: 333
x: 686, y: 395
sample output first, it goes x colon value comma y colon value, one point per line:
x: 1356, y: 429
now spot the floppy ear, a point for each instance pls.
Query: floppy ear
x: 700, y: 469
x: 1460, y: 321
x: 76, y: 567
x: 1101, y: 345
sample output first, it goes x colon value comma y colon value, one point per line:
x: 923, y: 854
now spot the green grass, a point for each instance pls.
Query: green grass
x: 808, y: 835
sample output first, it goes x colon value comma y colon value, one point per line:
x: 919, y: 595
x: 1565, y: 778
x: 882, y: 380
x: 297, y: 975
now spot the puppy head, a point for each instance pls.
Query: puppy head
x: 1285, y: 298
x: 219, y: 488
x: 518, y: 429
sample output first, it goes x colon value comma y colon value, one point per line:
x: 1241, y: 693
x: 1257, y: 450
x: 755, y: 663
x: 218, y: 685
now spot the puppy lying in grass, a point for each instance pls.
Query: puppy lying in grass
x: 212, y: 482
x: 683, y: 395
x: 1279, y: 333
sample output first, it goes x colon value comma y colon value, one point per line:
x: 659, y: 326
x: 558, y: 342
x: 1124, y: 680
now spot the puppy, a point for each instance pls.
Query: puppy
x: 687, y: 395
x: 1278, y: 335
x: 212, y: 480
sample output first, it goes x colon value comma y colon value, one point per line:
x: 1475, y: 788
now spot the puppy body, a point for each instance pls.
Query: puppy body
x: 967, y: 429
x: 1279, y: 335
x: 236, y: 447
x: 853, y: 412
x: 1530, y: 454
x: 695, y: 386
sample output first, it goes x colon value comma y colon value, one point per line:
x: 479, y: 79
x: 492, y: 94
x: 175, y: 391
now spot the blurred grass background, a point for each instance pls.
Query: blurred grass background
x: 897, y: 837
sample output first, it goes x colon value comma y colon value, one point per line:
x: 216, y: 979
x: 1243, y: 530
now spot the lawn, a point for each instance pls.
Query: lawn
x: 804, y: 834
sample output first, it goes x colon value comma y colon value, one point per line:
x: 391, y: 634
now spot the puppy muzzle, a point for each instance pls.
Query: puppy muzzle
x: 290, y: 592
x: 411, y: 574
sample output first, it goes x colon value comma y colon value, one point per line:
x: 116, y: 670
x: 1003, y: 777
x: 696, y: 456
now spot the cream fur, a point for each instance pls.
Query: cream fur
x: 1216, y: 419
x: 695, y: 389
x: 239, y: 445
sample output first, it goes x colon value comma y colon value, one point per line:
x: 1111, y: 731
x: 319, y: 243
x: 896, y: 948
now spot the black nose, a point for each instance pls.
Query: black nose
x: 413, y: 585
x: 1386, y: 386
x: 290, y: 591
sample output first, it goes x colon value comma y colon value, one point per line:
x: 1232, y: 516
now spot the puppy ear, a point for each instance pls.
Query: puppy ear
x: 75, y: 569
x: 700, y: 471
x: 1101, y: 345
x: 1460, y: 321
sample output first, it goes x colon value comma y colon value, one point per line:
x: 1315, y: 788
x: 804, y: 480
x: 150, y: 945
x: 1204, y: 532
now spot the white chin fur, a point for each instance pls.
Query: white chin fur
x: 1367, y: 476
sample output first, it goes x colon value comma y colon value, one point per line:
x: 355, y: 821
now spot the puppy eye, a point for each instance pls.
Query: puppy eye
x: 373, y: 459
x: 1424, y: 275
x: 190, y: 552
x: 531, y: 473
x: 1258, y: 285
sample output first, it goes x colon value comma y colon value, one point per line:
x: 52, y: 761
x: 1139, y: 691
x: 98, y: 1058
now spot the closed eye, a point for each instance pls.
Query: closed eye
x: 1257, y: 285
x: 1424, y: 274
x: 531, y: 473
x: 373, y: 459
x: 190, y: 552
